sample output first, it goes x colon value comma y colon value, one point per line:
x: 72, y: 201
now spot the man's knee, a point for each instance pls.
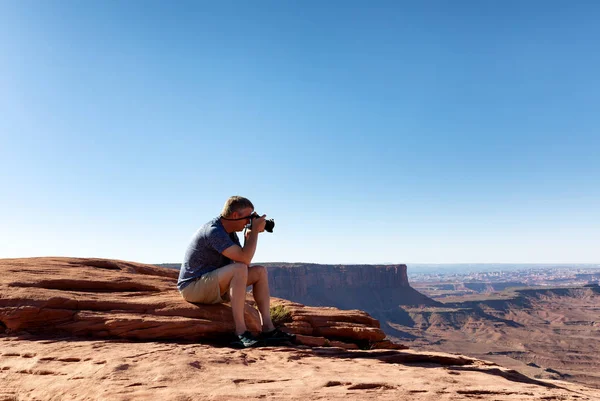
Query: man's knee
x: 233, y: 272
x: 259, y: 271
x: 239, y: 269
x: 227, y: 273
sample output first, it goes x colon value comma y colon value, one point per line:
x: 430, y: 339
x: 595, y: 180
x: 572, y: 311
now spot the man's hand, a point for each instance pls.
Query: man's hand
x: 258, y: 223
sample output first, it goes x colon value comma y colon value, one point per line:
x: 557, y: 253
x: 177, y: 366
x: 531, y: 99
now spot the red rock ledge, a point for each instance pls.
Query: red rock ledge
x: 118, y: 299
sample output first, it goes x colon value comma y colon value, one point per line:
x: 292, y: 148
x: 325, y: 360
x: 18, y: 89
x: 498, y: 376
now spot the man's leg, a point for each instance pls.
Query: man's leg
x: 234, y: 277
x: 257, y: 277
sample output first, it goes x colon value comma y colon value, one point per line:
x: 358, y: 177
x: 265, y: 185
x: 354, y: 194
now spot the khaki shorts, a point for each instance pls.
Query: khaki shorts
x: 205, y: 290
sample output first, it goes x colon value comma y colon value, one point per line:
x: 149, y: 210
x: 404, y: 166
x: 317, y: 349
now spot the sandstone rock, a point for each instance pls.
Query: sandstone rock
x: 37, y: 368
x: 312, y: 341
x: 332, y: 322
x: 119, y: 299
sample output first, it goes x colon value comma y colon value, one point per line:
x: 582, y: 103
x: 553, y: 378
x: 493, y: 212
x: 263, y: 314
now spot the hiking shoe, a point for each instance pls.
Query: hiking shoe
x: 247, y: 340
x: 278, y: 336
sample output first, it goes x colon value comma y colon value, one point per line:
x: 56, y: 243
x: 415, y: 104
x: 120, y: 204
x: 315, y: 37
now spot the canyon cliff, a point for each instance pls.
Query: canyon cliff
x: 377, y: 289
x: 299, y: 279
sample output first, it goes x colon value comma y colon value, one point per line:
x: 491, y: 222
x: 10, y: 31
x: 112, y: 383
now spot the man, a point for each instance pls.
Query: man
x: 216, y: 268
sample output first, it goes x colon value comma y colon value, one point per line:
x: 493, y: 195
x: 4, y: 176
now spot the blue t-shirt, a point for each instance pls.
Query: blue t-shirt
x: 204, y: 253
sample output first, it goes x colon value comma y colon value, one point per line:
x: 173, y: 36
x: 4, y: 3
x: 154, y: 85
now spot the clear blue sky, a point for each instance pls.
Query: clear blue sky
x: 372, y: 132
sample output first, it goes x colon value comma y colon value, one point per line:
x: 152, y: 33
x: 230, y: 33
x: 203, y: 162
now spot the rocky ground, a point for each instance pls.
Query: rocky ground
x: 32, y: 368
x: 93, y: 329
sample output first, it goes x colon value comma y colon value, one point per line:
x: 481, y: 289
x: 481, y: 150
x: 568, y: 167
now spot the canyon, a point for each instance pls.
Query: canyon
x: 83, y: 328
x: 541, y: 331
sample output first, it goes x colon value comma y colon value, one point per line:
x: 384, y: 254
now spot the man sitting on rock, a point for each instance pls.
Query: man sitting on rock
x: 216, y: 268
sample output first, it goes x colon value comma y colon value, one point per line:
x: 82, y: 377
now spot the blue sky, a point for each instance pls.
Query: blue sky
x: 394, y: 132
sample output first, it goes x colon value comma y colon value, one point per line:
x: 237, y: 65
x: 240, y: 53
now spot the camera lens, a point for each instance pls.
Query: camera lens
x: 269, y: 225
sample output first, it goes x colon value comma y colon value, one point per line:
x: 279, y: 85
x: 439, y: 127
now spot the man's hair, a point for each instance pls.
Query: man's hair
x: 235, y: 204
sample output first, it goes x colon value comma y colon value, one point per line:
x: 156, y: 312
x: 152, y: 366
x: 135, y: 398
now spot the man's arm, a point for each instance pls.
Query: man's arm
x: 245, y: 254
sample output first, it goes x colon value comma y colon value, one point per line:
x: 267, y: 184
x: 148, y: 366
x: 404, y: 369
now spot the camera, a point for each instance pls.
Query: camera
x: 269, y: 223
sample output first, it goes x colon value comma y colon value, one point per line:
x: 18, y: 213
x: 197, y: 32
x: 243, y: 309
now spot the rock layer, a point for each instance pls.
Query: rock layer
x: 118, y: 299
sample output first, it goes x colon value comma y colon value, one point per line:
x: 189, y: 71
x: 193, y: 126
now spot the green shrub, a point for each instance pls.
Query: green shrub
x: 280, y: 315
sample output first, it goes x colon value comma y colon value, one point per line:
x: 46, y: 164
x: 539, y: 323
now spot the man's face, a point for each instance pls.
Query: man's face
x: 240, y: 224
